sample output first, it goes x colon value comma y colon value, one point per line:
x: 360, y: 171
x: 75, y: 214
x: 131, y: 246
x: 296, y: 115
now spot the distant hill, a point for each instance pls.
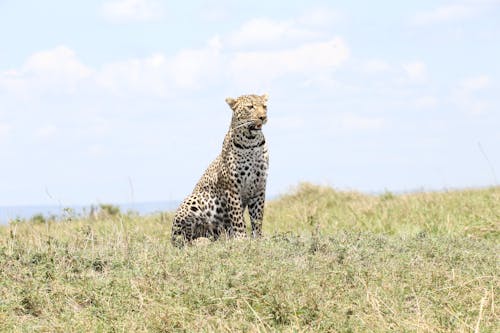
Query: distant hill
x: 8, y: 213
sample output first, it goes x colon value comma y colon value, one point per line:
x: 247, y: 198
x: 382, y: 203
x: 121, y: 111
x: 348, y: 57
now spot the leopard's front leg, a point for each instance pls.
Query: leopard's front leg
x: 235, y: 213
x: 256, y: 212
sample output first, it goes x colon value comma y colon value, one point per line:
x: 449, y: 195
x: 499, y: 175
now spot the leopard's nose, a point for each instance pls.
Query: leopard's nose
x: 263, y: 118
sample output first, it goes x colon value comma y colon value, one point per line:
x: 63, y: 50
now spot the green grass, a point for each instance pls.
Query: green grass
x: 330, y: 261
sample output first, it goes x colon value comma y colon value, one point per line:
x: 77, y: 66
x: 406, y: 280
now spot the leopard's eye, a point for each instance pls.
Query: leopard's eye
x: 250, y: 107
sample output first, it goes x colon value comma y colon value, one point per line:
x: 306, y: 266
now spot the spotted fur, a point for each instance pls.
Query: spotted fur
x: 235, y: 181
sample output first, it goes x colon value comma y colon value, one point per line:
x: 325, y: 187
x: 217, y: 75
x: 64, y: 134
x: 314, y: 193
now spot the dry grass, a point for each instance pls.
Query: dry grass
x: 330, y: 261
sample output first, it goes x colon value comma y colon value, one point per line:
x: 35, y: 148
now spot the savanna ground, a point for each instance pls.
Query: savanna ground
x: 330, y: 261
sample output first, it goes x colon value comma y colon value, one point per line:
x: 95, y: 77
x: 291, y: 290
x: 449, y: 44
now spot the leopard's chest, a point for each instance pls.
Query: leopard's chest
x: 250, y: 171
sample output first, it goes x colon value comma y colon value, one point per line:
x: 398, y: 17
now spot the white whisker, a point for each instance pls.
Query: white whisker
x: 244, y: 124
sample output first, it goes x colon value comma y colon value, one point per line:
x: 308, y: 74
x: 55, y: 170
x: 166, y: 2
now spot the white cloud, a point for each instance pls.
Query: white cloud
x: 60, y: 61
x: 416, y: 71
x: 193, y: 67
x: 133, y: 10
x: 444, y: 14
x: 263, y: 50
x: 160, y: 75
x: 144, y: 76
x: 59, y: 71
x: 475, y: 83
x: 46, y: 71
x: 265, y: 32
x: 308, y: 59
x: 262, y: 31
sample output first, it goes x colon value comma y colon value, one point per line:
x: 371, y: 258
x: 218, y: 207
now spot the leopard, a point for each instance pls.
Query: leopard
x: 233, y: 183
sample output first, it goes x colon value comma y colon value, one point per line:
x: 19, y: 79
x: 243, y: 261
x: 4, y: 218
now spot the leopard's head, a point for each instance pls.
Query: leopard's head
x: 249, y: 112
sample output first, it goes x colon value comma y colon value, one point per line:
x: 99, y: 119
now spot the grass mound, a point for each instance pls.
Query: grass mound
x: 330, y: 261
x: 474, y: 213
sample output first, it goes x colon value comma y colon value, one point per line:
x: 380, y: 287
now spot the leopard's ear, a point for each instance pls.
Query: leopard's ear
x: 265, y: 97
x: 231, y: 102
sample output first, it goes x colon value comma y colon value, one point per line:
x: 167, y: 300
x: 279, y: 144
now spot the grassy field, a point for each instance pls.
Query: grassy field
x: 330, y: 261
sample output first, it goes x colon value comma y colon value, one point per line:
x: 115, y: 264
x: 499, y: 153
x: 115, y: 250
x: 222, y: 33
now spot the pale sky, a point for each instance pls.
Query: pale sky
x: 123, y: 100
